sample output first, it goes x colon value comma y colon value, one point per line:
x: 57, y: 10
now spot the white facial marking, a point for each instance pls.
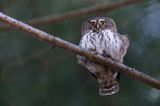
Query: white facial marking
x: 94, y: 21
x: 101, y: 21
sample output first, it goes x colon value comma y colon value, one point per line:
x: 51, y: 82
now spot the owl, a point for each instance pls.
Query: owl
x: 100, y: 36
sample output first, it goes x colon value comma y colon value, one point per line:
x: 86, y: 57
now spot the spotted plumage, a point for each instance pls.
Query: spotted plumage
x: 100, y: 36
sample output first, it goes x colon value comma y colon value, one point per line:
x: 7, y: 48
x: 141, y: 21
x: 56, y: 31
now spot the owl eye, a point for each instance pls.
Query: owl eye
x: 93, y: 22
x: 102, y: 22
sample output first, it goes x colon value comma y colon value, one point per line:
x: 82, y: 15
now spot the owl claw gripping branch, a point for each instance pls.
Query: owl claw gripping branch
x: 100, y: 35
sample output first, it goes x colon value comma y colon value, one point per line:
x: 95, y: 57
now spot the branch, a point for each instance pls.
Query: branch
x: 131, y: 72
x: 79, y: 13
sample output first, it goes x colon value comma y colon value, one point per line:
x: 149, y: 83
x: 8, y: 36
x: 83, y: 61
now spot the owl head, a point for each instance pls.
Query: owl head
x: 97, y: 24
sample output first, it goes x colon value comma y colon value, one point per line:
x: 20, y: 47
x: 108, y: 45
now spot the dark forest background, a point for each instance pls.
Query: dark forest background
x: 33, y: 74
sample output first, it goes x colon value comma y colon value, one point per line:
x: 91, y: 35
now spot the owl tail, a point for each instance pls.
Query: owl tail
x: 108, y: 86
x: 105, y: 89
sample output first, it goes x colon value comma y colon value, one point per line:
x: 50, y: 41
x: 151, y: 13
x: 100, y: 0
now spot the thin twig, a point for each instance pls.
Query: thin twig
x: 78, y: 13
x: 131, y: 72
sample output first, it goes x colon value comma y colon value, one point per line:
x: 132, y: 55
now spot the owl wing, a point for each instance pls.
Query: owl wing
x: 125, y: 45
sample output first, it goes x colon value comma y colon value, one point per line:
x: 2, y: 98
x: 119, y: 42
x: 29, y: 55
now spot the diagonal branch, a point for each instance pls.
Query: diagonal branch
x: 131, y: 72
x: 78, y: 13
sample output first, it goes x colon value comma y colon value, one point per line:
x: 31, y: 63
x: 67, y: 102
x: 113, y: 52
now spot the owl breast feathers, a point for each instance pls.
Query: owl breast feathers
x: 100, y: 36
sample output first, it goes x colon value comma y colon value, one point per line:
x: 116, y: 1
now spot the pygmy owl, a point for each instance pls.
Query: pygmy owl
x: 100, y: 36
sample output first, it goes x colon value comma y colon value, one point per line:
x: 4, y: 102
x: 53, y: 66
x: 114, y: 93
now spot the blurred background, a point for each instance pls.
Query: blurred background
x: 34, y: 74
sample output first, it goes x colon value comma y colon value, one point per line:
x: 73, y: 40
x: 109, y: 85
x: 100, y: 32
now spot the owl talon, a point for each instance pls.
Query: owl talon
x: 108, y: 56
x: 105, y: 54
x: 94, y: 53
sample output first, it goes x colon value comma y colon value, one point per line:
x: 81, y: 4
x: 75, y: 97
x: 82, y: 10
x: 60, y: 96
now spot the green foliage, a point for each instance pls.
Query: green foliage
x: 32, y: 74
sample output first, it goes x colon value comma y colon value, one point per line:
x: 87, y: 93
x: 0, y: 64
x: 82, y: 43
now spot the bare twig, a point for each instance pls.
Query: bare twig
x: 79, y: 13
x: 131, y: 72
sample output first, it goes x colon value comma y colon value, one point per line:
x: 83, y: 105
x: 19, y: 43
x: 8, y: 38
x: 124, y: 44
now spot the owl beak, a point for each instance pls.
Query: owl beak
x: 97, y: 26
